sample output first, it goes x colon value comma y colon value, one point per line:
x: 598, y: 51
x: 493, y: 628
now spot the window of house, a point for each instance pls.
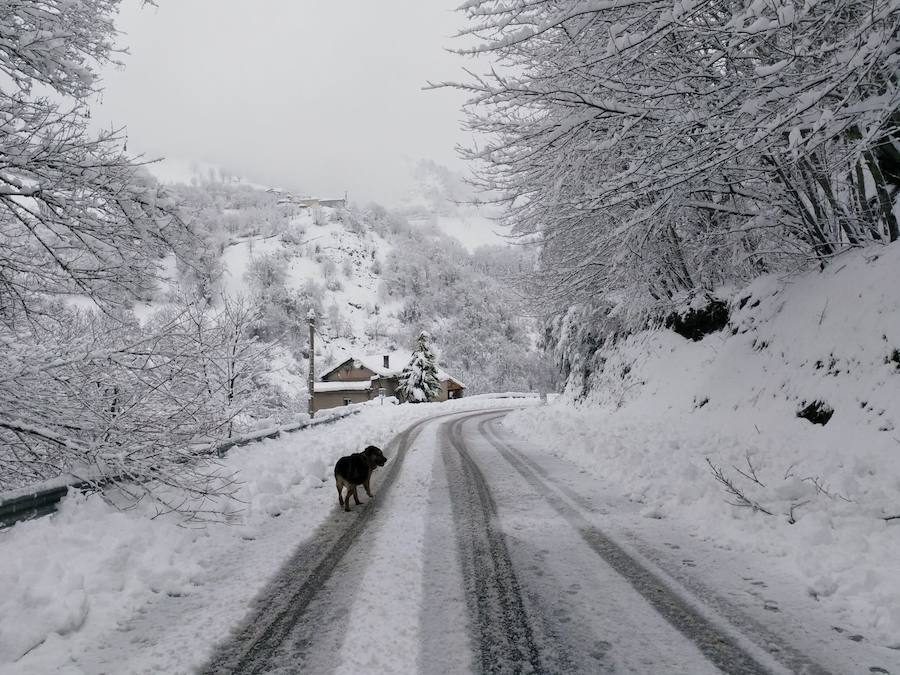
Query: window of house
x: 348, y: 401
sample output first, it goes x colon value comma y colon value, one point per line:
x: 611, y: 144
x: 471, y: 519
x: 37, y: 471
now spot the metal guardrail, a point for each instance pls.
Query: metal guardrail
x: 275, y: 432
x: 32, y: 505
x: 25, y: 504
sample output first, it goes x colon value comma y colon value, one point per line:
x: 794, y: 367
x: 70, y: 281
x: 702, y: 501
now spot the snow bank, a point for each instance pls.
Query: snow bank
x: 89, y: 562
x: 664, y: 405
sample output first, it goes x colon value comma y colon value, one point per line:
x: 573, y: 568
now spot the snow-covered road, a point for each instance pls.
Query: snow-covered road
x: 481, y: 553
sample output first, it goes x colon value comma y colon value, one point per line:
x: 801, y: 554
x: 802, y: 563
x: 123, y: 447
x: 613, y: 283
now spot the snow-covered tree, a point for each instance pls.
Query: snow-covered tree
x: 418, y: 380
x: 658, y: 150
x: 85, y: 387
x: 667, y: 148
x: 76, y: 214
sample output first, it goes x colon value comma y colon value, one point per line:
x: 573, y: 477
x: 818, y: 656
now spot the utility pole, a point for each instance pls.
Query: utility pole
x: 311, y: 317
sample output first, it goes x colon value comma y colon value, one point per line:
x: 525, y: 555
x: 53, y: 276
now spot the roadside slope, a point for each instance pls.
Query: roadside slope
x: 667, y: 412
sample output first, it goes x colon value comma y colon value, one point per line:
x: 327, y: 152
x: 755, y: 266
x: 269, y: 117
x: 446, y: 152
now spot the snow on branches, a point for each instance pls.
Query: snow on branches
x: 658, y: 148
x: 109, y: 400
x: 55, y: 42
x: 84, y: 387
x: 76, y: 217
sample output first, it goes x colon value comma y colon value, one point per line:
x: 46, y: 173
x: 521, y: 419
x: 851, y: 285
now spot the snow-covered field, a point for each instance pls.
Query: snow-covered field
x: 665, y: 405
x: 71, y: 584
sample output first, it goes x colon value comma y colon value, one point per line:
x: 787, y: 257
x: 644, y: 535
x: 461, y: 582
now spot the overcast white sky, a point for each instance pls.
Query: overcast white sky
x: 311, y: 95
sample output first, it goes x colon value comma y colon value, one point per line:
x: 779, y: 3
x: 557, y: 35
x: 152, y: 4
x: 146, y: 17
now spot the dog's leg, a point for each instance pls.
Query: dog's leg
x: 355, y: 496
x: 339, y: 489
x: 366, y: 485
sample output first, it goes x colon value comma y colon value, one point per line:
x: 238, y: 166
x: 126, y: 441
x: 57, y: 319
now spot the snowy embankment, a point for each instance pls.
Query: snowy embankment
x: 665, y: 405
x: 93, y: 589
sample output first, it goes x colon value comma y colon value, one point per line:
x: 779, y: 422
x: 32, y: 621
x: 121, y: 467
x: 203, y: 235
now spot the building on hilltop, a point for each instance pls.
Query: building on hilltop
x: 356, y: 380
x: 285, y: 197
x: 315, y: 202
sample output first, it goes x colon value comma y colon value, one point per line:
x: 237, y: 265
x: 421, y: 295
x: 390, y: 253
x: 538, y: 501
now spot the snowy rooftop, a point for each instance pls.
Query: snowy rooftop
x: 323, y: 387
x: 397, y: 360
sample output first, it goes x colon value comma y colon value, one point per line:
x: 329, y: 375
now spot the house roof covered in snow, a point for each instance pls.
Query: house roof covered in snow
x: 397, y: 360
x: 324, y: 387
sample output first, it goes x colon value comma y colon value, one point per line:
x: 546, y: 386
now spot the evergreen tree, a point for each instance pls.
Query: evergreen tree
x: 419, y: 381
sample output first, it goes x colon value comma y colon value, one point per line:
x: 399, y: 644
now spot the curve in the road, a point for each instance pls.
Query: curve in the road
x: 285, y: 611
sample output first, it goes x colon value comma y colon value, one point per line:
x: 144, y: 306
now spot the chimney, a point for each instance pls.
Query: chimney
x: 387, y: 360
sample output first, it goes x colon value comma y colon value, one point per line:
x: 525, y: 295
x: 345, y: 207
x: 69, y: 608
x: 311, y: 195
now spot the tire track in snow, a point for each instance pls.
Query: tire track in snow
x: 446, y: 645
x: 503, y: 637
x: 717, y: 646
x: 282, y: 607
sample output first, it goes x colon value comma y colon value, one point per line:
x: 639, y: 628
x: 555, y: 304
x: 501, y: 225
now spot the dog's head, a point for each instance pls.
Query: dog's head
x: 374, y: 456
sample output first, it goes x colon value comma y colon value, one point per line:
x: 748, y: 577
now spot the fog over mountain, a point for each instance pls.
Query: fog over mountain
x: 318, y: 97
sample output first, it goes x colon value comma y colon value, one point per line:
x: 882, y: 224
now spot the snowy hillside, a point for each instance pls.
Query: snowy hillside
x: 795, y: 404
x: 341, y: 260
x: 373, y: 277
x: 471, y: 226
x: 306, y: 253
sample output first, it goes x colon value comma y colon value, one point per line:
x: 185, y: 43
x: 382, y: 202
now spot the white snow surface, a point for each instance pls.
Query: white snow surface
x: 92, y: 589
x: 330, y: 244
x: 664, y: 405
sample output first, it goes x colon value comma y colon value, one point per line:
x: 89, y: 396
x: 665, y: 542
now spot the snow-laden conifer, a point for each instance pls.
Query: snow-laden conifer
x: 418, y: 381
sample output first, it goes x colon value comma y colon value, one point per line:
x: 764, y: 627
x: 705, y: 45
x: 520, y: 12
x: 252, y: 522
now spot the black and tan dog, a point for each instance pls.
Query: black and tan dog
x: 354, y: 470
